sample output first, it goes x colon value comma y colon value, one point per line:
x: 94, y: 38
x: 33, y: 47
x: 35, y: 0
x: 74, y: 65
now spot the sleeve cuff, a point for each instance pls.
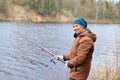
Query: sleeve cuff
x: 70, y: 65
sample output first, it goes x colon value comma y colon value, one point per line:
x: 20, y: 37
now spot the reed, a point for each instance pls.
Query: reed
x: 107, y: 73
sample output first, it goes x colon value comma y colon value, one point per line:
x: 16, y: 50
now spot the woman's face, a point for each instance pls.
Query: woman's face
x: 77, y: 28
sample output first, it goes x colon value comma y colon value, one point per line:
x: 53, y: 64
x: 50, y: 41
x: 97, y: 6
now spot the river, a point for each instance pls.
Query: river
x: 22, y: 59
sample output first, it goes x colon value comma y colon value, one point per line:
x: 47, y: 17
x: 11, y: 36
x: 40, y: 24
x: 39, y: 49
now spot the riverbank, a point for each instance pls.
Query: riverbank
x: 17, y: 13
x: 55, y: 20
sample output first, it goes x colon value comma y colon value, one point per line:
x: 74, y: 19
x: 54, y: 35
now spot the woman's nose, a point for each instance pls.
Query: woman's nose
x: 74, y: 28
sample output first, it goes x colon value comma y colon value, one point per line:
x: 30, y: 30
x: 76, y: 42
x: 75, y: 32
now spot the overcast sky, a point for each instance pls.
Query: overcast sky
x: 112, y: 0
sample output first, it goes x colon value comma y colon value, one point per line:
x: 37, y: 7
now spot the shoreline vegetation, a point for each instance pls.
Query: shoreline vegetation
x: 107, y: 73
x: 48, y: 19
x: 59, y: 11
x: 58, y: 21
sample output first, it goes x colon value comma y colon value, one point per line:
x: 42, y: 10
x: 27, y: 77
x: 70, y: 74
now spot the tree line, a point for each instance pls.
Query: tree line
x: 91, y: 9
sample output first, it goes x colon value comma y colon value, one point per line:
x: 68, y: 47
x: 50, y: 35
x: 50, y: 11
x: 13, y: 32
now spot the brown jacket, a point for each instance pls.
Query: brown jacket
x: 81, y: 55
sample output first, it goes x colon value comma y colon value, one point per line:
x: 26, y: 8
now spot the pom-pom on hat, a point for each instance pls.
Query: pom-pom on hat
x: 81, y: 22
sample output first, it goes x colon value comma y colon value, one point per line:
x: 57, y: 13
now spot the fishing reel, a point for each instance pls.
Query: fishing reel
x: 53, y: 60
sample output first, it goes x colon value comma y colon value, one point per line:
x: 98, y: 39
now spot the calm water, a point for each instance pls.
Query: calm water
x: 22, y: 59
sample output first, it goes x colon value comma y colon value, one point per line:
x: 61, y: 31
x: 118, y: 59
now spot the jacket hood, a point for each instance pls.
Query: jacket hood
x: 88, y: 33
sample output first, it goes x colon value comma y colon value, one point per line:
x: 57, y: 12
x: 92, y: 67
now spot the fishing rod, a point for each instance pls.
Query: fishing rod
x: 42, y: 49
x: 49, y: 52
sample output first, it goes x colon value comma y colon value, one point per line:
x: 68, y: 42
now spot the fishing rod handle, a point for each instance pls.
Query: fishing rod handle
x: 63, y: 61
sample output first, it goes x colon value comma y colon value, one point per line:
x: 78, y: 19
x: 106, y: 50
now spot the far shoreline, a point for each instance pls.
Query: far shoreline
x: 61, y: 22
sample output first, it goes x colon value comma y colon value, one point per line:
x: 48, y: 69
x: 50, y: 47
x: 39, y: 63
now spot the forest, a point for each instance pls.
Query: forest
x: 92, y: 10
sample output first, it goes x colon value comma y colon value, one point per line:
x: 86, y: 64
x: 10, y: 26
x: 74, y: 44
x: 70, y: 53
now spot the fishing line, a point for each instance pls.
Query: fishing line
x: 41, y: 48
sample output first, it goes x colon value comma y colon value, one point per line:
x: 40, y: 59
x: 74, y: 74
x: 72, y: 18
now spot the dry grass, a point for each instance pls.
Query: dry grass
x: 107, y: 73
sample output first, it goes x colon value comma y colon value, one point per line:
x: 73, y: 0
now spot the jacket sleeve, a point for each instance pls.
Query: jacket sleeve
x: 83, y: 50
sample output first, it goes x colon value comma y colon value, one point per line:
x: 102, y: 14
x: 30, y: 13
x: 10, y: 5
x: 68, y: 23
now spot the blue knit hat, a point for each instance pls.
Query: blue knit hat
x: 81, y: 22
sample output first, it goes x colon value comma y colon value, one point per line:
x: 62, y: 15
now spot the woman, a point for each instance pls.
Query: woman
x: 81, y: 52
